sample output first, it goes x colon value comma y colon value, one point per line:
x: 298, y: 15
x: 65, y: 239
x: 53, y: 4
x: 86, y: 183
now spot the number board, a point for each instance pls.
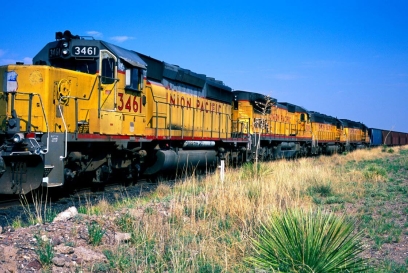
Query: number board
x: 85, y: 51
x: 54, y: 52
x: 79, y: 51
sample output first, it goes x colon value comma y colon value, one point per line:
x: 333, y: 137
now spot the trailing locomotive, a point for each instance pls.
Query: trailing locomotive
x: 282, y: 129
x: 88, y: 110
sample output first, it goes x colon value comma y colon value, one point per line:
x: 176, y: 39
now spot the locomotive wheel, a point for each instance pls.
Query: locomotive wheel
x: 264, y: 154
x: 98, y: 181
x: 101, y: 177
x: 104, y: 173
x: 226, y: 159
x: 132, y: 175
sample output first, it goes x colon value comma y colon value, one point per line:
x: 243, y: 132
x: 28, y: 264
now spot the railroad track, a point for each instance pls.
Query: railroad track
x: 8, y: 201
x: 54, y: 196
x: 55, y: 200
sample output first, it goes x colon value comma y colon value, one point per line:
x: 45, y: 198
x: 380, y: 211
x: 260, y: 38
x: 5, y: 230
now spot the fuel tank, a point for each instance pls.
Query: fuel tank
x: 332, y: 149
x: 169, y: 160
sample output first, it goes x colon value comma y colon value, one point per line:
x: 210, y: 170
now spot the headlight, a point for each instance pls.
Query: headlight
x: 65, y: 51
x: 65, y: 44
x: 17, y: 138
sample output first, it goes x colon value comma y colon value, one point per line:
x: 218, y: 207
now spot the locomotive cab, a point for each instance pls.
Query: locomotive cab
x: 97, y: 98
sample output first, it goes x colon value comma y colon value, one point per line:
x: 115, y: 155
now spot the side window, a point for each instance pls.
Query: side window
x: 108, y: 70
x: 134, y: 78
x: 302, y: 117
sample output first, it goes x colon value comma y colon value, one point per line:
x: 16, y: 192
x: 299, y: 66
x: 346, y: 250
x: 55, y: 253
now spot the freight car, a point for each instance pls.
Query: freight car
x: 387, y: 137
x: 88, y: 110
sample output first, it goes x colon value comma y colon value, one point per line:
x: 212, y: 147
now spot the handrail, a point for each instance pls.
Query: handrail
x: 65, y: 98
x: 157, y: 116
x: 45, y: 118
x: 66, y: 131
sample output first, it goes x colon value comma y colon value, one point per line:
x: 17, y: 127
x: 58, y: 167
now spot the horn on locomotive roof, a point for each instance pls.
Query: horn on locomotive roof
x: 67, y: 35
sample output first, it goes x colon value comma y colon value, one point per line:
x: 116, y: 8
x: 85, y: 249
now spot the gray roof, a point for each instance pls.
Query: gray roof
x: 128, y: 56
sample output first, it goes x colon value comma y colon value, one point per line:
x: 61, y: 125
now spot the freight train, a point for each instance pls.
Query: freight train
x: 88, y: 110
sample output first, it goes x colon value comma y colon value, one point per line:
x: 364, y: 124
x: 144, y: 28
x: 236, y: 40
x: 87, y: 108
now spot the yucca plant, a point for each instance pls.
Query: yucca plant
x: 299, y: 241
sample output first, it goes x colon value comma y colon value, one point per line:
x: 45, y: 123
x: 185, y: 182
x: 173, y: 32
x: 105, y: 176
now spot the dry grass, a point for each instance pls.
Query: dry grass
x: 100, y: 208
x: 206, y: 225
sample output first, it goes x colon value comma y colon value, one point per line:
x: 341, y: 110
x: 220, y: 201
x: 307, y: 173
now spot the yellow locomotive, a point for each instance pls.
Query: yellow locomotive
x: 91, y: 110
x: 88, y: 110
x: 283, y: 130
x: 275, y: 129
x: 354, y: 134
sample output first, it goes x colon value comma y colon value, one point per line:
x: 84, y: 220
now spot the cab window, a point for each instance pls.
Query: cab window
x: 134, y: 79
x: 86, y: 66
x: 108, y: 70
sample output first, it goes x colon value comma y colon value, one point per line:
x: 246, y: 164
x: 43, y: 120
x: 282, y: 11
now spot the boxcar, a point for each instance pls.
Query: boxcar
x: 376, y: 137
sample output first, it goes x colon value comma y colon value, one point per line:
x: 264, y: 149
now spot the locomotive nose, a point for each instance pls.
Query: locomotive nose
x: 20, y: 174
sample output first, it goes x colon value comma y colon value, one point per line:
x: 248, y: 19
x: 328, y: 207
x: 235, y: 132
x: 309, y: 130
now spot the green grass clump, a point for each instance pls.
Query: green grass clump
x: 322, y: 190
x: 121, y: 259
x: 95, y: 232
x: 374, y: 172
x: 17, y: 223
x: 299, y: 241
x: 82, y: 210
x: 251, y: 170
x: 125, y: 222
x: 44, y: 250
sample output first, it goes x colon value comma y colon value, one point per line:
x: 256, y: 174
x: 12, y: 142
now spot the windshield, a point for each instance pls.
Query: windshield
x: 85, y: 66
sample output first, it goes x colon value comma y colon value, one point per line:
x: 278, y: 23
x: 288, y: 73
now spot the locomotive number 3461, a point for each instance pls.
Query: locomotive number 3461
x: 85, y: 51
x: 130, y: 103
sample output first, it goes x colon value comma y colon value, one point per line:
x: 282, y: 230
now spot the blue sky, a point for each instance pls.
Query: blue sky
x: 347, y: 59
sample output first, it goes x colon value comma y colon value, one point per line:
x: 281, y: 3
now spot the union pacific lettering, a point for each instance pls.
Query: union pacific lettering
x: 280, y: 118
x: 324, y: 127
x: 177, y: 101
x: 200, y: 103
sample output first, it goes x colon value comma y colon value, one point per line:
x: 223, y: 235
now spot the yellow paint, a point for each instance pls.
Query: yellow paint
x: 177, y: 114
